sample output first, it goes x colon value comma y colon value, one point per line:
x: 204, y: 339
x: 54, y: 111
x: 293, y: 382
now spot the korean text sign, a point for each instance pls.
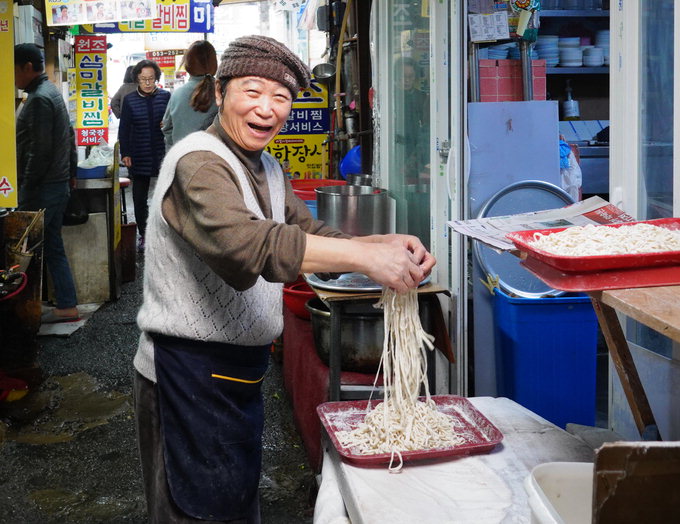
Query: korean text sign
x: 8, y: 174
x: 299, y: 147
x: 92, y: 109
x: 172, y: 16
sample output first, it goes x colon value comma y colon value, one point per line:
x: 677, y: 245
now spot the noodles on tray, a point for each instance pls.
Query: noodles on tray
x: 402, y: 422
x: 593, y: 240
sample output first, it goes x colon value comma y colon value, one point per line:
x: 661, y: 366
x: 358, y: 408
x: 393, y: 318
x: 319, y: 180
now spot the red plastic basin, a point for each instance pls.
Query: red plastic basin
x: 295, y: 296
x: 304, y: 188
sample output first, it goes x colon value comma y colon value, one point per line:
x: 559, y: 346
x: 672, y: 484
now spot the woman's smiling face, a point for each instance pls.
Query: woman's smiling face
x: 253, y: 110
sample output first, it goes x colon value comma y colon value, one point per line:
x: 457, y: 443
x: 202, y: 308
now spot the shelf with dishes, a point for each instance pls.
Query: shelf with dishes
x: 602, y: 70
x: 573, y: 13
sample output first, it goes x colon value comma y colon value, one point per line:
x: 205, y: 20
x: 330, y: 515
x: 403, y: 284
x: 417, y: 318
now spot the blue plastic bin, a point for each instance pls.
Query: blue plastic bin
x: 546, y: 355
x: 91, y: 172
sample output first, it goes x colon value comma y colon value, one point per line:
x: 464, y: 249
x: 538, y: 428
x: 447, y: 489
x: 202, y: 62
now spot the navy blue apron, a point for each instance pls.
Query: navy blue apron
x: 212, y: 416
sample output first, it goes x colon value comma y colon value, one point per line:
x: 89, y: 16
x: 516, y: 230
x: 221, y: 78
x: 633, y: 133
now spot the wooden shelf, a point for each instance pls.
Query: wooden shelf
x: 583, y: 13
x: 604, y: 70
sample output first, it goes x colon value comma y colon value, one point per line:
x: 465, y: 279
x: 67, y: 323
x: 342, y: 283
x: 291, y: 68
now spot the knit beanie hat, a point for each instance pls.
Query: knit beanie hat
x: 257, y: 55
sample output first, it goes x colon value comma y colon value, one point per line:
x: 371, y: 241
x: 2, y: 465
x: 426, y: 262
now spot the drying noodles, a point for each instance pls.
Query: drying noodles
x: 402, y: 422
x: 593, y: 240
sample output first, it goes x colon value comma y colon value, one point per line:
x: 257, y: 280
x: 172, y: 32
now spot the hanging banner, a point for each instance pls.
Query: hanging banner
x: 166, y: 60
x: 75, y: 12
x: 178, y: 16
x: 299, y: 146
x: 92, y: 109
x: 8, y: 173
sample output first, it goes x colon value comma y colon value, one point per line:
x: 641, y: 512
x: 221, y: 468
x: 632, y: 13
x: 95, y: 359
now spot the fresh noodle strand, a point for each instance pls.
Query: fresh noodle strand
x: 402, y: 422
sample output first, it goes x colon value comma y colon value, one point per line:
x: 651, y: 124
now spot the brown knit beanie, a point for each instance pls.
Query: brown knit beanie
x: 257, y: 55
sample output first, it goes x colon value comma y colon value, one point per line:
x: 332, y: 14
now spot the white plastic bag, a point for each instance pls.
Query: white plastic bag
x: 101, y: 155
x: 572, y: 179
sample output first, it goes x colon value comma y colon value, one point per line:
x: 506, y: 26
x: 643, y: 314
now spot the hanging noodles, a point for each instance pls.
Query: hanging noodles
x: 402, y: 422
x: 593, y: 240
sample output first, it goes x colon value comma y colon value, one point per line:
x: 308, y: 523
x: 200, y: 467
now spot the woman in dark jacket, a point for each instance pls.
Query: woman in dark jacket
x: 142, y: 146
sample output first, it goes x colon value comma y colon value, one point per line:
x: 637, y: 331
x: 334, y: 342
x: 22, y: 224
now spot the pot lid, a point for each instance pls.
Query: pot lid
x: 521, y: 197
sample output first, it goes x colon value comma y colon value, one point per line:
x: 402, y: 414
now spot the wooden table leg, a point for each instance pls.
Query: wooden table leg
x: 625, y: 367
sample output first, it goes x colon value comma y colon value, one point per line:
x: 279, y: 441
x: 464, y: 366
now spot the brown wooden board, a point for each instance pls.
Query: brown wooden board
x: 637, y: 482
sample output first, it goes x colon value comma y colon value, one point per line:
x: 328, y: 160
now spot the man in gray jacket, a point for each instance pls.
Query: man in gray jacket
x: 46, y: 162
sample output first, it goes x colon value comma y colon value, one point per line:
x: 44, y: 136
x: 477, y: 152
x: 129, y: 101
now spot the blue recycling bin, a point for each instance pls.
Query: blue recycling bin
x: 546, y: 355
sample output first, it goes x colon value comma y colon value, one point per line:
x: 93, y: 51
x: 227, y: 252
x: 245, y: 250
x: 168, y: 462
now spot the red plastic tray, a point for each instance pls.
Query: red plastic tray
x: 602, y: 280
x: 479, y: 434
x: 521, y: 239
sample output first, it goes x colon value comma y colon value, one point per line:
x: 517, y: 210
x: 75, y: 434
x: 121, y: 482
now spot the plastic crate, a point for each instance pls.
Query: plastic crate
x: 546, y: 355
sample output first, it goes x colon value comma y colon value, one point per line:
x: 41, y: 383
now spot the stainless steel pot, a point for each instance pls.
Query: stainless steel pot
x: 361, y: 335
x: 359, y: 179
x: 355, y: 210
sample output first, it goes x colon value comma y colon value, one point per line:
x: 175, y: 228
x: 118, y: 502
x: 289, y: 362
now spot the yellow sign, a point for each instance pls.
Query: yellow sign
x: 300, y: 146
x: 8, y: 174
x: 92, y: 110
x: 300, y: 156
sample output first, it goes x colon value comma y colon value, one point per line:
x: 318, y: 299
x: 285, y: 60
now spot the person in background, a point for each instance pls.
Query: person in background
x: 142, y: 147
x: 225, y: 231
x: 412, y: 123
x: 192, y: 106
x: 46, y: 163
x: 129, y: 85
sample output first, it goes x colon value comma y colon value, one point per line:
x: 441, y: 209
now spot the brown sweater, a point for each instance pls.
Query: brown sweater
x: 205, y: 206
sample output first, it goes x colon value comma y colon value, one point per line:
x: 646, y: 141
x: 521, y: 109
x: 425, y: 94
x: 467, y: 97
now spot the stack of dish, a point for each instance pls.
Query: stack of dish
x: 602, y: 41
x: 593, y: 57
x: 514, y: 52
x: 500, y: 51
x: 546, y: 48
x: 570, y: 51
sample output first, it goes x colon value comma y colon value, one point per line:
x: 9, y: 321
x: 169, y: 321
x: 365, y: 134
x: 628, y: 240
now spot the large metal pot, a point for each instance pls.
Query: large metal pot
x: 355, y: 210
x: 361, y: 335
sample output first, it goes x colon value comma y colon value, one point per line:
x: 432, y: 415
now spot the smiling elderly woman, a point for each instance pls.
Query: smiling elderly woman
x: 225, y: 231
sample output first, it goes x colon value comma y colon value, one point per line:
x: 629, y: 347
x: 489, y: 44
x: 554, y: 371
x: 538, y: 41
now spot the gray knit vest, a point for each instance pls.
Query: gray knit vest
x: 183, y: 297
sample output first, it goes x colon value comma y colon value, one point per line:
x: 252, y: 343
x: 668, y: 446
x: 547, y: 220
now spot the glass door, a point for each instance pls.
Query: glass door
x: 645, y: 171
x: 419, y: 89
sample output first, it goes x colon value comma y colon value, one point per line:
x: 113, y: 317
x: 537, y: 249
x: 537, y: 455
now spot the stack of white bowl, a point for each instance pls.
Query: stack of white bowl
x: 593, y: 56
x: 546, y: 48
x: 571, y: 54
x: 602, y: 41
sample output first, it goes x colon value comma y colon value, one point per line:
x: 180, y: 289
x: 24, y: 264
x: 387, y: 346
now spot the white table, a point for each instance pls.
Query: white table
x: 485, y: 488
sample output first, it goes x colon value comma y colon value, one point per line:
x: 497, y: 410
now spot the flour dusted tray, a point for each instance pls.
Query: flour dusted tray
x: 583, y: 264
x: 478, y: 433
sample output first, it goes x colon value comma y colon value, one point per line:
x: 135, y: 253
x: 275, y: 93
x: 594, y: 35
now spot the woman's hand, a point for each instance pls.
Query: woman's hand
x: 127, y: 161
x: 400, y: 262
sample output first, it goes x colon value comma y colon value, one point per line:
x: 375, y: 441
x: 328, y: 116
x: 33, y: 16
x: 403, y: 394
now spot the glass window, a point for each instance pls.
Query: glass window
x: 656, y: 132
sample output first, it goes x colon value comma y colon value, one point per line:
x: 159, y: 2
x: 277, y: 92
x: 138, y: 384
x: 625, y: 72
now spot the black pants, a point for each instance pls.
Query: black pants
x: 160, y: 505
x: 140, y: 198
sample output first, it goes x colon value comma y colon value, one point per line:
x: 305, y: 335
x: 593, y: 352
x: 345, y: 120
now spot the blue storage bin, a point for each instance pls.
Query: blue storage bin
x: 91, y: 172
x: 546, y: 355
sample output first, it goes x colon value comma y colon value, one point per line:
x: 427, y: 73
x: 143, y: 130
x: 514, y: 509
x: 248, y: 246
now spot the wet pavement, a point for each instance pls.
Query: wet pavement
x: 68, y: 449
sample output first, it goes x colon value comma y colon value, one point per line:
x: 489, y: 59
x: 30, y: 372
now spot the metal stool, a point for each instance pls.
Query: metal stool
x: 124, y: 182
